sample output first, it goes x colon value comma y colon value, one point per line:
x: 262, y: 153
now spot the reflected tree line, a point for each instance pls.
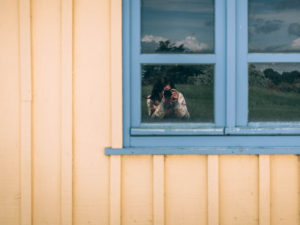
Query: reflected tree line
x: 180, y: 74
x: 271, y: 79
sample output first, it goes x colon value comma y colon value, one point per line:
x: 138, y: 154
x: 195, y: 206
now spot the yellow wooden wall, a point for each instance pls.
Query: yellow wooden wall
x: 60, y: 106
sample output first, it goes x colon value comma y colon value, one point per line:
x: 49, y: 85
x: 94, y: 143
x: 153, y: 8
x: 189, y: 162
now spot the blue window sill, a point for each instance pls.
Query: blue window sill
x: 251, y: 130
x: 203, y: 151
x: 160, y: 131
x: 263, y: 131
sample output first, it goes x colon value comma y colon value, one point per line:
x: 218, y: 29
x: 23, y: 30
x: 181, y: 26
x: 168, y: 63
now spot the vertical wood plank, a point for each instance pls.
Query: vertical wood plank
x: 239, y: 189
x: 284, y: 190
x: 186, y: 189
x: 264, y: 190
x: 26, y: 98
x: 46, y: 111
x: 92, y: 112
x: 213, y: 189
x: 115, y: 190
x: 158, y: 190
x: 116, y: 72
x: 66, y: 113
x: 137, y: 190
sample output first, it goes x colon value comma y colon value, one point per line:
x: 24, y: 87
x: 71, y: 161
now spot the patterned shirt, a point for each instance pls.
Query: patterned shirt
x: 177, y: 109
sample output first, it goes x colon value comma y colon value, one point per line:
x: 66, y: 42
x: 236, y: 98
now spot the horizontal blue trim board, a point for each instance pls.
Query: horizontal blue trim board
x: 178, y: 59
x: 204, y: 151
x: 214, y: 141
x: 274, y: 124
x: 265, y: 58
x: 263, y: 131
x: 176, y: 131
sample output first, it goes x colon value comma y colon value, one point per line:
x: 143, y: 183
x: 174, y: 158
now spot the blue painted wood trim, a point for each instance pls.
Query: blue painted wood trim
x: 242, y: 64
x: 176, y: 59
x: 231, y: 63
x: 220, y: 68
x: 263, y: 131
x: 135, y: 72
x: 204, y: 151
x: 138, y: 131
x: 126, y: 70
x: 215, y: 141
x: 272, y: 58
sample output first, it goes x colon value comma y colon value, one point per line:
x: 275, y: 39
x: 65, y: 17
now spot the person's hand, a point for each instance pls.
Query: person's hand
x: 174, y: 95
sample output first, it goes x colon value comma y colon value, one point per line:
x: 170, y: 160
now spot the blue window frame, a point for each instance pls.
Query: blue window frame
x: 231, y: 133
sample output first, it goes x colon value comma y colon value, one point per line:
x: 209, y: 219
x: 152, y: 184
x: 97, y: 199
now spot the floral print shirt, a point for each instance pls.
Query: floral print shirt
x: 177, y: 109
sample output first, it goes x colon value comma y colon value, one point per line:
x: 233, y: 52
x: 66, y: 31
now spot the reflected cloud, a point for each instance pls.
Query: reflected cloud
x: 151, y: 38
x: 296, y: 44
x: 191, y: 44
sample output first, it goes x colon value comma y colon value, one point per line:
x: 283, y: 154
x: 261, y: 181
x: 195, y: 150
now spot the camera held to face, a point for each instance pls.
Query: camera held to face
x: 168, y: 93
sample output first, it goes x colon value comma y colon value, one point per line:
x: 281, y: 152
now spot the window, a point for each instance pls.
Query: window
x: 235, y: 63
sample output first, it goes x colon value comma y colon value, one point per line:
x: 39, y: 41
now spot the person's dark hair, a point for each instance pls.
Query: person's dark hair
x: 158, y: 87
x: 166, y: 80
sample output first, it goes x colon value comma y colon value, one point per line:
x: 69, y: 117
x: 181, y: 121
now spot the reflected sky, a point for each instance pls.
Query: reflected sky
x: 183, y: 22
x: 274, y: 25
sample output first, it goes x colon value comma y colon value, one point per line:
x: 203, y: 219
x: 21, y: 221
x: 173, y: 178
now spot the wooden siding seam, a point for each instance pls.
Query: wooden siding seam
x: 66, y: 110
x: 158, y: 190
x: 264, y: 190
x: 213, y: 189
x: 26, y: 99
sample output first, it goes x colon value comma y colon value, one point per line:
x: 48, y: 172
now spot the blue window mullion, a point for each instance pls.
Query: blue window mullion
x: 219, y: 88
x: 230, y: 63
x: 242, y: 64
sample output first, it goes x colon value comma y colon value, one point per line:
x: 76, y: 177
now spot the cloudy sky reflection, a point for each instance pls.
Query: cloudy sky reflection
x: 274, y: 25
x: 183, y: 22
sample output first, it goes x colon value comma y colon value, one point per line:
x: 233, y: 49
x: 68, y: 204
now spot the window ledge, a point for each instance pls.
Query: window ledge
x: 261, y: 131
x: 140, y: 131
x: 203, y: 151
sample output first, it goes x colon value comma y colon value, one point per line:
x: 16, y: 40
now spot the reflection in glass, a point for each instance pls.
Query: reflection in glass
x: 274, y: 26
x: 177, y: 93
x: 177, y: 26
x: 274, y: 92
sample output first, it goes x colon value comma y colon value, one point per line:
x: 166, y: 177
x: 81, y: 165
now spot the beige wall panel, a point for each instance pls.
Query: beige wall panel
x: 186, y: 190
x: 285, y: 190
x: 136, y: 204
x: 91, y: 111
x: 238, y: 190
x: 9, y: 114
x: 46, y: 111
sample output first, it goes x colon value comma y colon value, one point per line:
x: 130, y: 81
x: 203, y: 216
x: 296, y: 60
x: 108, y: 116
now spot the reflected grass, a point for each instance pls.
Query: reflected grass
x: 267, y: 105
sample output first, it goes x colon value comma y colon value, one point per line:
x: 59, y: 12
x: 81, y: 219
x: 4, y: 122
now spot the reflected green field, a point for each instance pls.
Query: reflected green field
x: 271, y: 105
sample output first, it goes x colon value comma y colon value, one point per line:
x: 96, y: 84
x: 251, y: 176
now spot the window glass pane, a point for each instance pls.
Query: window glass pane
x: 177, y: 93
x: 177, y: 26
x: 274, y: 26
x: 274, y: 92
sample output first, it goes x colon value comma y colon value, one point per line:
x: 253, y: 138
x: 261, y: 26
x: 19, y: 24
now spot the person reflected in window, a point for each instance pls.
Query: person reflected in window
x: 166, y: 102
